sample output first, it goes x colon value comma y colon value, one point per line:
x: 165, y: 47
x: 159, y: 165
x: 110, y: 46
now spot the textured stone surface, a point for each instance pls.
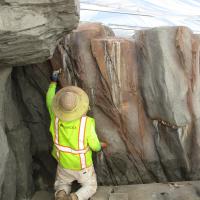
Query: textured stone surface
x: 4, y: 149
x: 32, y: 83
x: 29, y: 29
x: 171, y: 95
x: 9, y: 183
x: 29, y: 165
x: 146, y: 108
x: 163, y: 52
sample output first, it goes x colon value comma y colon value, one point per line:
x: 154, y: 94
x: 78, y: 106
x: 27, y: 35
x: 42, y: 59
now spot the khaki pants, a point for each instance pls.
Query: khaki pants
x: 86, y: 177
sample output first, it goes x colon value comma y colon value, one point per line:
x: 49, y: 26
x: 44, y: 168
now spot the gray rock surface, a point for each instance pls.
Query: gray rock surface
x: 32, y: 83
x: 29, y: 29
x: 4, y: 149
x: 165, y: 69
x: 9, y: 188
x: 18, y: 182
x: 152, y: 134
x: 22, y: 106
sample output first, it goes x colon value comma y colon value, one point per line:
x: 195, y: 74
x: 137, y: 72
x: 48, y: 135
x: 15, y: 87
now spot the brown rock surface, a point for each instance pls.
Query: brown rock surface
x: 120, y: 114
x: 142, y: 93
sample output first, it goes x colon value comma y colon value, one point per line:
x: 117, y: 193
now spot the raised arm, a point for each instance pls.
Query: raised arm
x: 52, y: 89
x: 50, y: 94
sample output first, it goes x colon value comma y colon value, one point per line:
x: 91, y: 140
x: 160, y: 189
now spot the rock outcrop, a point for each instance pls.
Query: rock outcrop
x: 169, y: 71
x: 144, y: 95
x: 29, y: 30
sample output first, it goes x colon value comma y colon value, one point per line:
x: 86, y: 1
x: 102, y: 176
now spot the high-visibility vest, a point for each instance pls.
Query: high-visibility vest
x: 70, y: 147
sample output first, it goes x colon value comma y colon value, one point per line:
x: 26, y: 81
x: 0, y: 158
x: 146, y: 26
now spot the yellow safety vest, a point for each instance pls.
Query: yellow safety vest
x: 74, y: 140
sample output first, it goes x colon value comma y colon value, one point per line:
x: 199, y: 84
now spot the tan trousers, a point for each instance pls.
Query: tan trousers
x: 86, y: 177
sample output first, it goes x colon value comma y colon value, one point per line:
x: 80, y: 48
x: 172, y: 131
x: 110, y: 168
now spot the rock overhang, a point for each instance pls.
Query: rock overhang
x: 29, y: 30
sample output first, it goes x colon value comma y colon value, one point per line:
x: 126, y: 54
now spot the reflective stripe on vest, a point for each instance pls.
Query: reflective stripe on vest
x: 66, y: 149
x: 57, y: 136
x: 81, y: 140
x: 70, y: 150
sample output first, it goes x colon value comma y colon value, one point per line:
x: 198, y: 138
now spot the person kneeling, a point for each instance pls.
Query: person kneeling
x: 74, y: 137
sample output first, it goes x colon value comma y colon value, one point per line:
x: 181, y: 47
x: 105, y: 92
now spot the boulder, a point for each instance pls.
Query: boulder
x: 169, y: 81
x: 106, y: 67
x: 118, y: 110
x: 165, y: 72
x: 32, y: 83
x: 29, y: 30
x: 18, y: 182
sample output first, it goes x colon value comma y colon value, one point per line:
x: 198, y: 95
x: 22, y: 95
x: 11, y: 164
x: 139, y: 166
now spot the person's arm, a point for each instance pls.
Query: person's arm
x: 52, y: 89
x: 50, y: 94
x: 92, y: 139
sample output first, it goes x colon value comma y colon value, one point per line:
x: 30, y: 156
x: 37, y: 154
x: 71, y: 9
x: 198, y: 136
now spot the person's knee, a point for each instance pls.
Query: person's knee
x: 58, y: 185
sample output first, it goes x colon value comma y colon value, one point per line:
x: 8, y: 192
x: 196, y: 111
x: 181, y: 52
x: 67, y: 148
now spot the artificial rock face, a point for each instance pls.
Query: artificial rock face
x: 29, y: 29
x: 144, y: 95
x: 95, y: 63
x: 169, y: 81
x: 26, y: 163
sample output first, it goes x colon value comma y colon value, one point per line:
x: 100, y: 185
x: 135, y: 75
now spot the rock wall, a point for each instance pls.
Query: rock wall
x: 144, y: 95
x: 26, y: 163
x: 4, y: 148
x: 171, y: 95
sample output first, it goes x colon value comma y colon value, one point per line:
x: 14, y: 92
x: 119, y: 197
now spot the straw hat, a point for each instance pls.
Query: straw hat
x: 70, y: 103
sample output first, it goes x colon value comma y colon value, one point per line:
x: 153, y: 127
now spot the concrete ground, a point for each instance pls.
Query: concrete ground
x: 154, y: 191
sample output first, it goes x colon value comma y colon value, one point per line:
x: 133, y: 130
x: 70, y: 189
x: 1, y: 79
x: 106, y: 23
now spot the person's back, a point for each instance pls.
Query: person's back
x: 70, y: 136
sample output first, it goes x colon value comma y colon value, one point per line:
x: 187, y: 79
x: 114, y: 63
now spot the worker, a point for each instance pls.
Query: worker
x: 74, y: 137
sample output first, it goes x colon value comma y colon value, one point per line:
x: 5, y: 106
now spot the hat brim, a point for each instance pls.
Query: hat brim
x: 78, y: 111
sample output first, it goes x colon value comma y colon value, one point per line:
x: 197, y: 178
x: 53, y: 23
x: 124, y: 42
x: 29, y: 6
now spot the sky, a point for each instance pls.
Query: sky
x: 127, y: 16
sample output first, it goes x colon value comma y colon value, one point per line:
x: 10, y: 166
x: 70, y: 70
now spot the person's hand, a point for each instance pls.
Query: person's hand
x: 103, y: 145
x: 55, y: 74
